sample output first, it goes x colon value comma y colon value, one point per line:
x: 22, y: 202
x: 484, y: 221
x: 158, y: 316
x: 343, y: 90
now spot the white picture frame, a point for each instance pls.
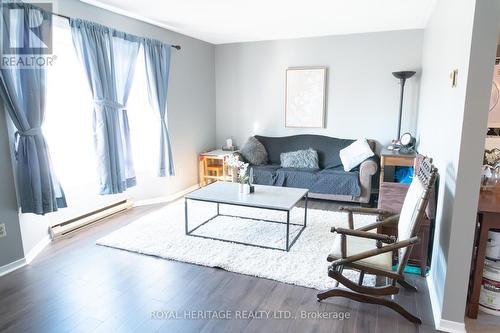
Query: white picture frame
x: 305, y: 97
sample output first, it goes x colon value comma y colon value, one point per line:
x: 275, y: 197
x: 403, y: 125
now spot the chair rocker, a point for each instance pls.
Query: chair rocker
x: 369, y: 252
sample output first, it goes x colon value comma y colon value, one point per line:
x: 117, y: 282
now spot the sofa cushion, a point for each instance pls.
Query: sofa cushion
x: 264, y: 174
x: 336, y: 182
x: 300, y: 159
x: 254, y: 152
x: 296, y: 177
x: 356, y: 245
x: 354, y: 154
x: 328, y: 148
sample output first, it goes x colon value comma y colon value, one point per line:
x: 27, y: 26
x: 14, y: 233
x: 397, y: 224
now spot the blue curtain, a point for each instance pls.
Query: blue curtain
x: 157, y: 57
x: 109, y: 59
x: 23, y: 93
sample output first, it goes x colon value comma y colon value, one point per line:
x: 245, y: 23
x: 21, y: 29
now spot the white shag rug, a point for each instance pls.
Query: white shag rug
x: 162, y: 234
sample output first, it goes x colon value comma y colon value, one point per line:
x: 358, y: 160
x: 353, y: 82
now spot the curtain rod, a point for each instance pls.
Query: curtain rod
x: 177, y: 47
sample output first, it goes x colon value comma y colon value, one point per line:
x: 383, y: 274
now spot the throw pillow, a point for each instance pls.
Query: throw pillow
x: 354, y: 154
x: 300, y: 159
x: 254, y: 152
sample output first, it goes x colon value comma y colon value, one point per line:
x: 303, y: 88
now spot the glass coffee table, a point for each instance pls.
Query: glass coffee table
x: 275, y: 198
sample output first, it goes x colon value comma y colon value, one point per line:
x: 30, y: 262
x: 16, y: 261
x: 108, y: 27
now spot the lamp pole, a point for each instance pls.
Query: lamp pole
x: 402, y: 76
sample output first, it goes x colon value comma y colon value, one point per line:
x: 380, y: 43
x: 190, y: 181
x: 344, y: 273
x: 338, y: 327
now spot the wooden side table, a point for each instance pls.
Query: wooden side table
x: 394, y: 158
x: 213, y: 167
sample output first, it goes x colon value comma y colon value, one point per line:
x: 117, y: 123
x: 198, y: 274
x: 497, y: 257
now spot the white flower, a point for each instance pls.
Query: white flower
x: 242, y: 167
x: 233, y: 161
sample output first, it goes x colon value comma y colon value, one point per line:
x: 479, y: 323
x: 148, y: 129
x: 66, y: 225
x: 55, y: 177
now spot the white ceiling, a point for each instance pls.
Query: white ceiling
x: 230, y: 21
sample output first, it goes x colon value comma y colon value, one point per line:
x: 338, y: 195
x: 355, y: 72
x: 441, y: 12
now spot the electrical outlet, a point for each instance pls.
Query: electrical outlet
x: 3, y: 231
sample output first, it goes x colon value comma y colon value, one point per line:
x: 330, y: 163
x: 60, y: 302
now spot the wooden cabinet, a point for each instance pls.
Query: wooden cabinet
x: 488, y: 218
x: 419, y: 252
x: 391, y: 198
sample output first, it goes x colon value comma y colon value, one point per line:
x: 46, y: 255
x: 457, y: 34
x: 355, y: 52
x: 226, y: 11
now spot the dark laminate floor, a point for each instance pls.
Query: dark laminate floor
x: 77, y: 286
x: 485, y: 323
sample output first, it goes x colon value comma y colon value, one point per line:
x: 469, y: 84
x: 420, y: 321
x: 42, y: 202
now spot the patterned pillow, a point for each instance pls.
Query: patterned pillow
x: 300, y: 159
x: 254, y: 152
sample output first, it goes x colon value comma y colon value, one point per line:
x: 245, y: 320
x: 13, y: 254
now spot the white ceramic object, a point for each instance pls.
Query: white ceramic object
x: 246, y: 189
x: 489, y: 299
x: 493, y: 245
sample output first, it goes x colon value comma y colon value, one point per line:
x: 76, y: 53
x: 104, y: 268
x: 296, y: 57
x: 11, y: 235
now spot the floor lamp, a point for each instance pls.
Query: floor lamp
x: 402, y: 76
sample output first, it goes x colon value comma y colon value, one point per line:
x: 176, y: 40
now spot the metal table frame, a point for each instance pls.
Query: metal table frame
x: 288, y: 245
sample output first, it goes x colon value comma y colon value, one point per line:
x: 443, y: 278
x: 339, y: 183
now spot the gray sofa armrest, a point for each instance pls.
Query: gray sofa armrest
x: 367, y: 170
x: 369, y: 167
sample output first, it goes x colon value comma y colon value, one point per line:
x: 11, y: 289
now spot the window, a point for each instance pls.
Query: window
x: 68, y: 116
x: 68, y: 129
x: 144, y: 125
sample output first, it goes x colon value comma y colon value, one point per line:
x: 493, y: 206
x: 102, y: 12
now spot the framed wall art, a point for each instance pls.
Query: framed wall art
x: 305, y: 97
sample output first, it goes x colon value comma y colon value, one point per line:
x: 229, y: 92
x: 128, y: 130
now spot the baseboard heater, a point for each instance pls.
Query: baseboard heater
x: 84, y: 221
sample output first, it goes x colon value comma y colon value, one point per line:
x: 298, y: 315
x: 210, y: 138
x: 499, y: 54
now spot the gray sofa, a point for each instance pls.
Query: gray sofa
x: 330, y: 181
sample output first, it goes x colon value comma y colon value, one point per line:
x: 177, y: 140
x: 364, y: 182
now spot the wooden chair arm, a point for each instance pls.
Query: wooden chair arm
x: 363, y: 210
x: 374, y: 252
x: 389, y: 220
x: 364, y: 234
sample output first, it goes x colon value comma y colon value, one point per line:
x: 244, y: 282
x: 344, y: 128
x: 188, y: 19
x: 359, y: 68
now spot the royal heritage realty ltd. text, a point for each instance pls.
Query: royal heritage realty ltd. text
x: 246, y: 315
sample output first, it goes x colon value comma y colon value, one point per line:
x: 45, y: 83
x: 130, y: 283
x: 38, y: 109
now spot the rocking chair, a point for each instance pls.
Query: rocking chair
x: 372, y: 253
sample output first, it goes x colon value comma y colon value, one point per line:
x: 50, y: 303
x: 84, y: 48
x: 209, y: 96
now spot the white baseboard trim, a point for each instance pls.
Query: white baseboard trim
x: 28, y: 258
x: 4, y: 270
x: 451, y: 326
x: 439, y: 323
x: 37, y: 249
x: 165, y: 199
x: 436, y: 307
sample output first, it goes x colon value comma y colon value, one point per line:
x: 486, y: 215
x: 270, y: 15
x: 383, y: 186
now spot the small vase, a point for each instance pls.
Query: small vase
x: 246, y: 189
x: 241, y: 187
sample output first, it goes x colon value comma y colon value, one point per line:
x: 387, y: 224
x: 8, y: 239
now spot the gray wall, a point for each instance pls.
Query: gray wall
x: 363, y: 95
x: 191, y: 119
x: 11, y: 248
x: 451, y: 129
